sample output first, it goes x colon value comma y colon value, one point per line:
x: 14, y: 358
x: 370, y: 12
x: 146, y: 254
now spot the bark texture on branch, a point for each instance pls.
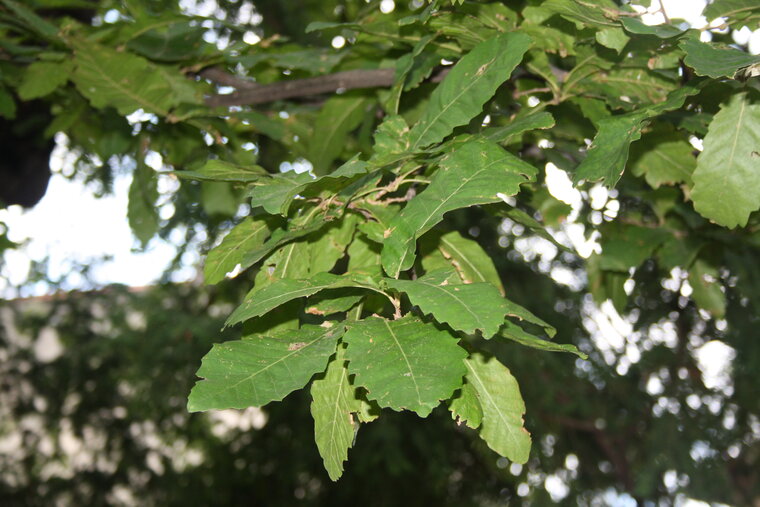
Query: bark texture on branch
x: 249, y: 93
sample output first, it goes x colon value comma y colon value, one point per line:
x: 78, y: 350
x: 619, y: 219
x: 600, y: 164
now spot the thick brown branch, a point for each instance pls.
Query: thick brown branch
x: 221, y: 77
x: 251, y: 94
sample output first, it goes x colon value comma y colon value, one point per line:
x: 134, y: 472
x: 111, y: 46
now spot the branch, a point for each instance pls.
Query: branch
x: 249, y: 93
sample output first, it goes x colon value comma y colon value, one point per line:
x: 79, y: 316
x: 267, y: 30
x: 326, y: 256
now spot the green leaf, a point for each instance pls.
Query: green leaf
x: 627, y: 246
x: 709, y: 60
x: 337, y: 118
x: 333, y: 406
x: 608, y: 154
x: 259, y: 302
x: 236, y: 248
x: 219, y: 170
x: 588, y: 12
x: 329, y: 246
x: 472, y: 81
x: 503, y: 408
x: 507, y: 133
x: 404, y: 363
x: 726, y: 180
x: 275, y: 193
x: 635, y: 25
x: 217, y: 198
x: 607, y: 157
x: 465, y: 307
x: 128, y: 82
x: 469, y: 259
x: 7, y: 104
x: 520, y: 313
x: 733, y: 9
x: 663, y: 157
x: 613, y: 38
x: 465, y: 407
x: 477, y: 172
x: 706, y: 288
x: 391, y: 141
x: 255, y: 371
x: 174, y: 41
x: 515, y: 333
x: 141, y: 210
x: 42, y: 78
x: 28, y: 18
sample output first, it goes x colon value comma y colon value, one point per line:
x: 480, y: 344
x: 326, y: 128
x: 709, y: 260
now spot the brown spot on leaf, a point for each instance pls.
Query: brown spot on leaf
x: 296, y: 345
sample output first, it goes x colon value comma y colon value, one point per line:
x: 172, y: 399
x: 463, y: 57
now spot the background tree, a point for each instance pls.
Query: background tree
x: 396, y: 136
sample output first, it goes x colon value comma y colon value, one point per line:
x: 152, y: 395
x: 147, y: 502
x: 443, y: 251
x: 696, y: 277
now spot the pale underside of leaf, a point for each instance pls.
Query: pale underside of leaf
x: 502, y: 405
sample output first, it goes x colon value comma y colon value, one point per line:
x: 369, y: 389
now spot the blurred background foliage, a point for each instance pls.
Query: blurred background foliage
x: 93, y: 384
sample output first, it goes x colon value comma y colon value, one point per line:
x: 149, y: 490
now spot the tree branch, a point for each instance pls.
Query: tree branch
x: 249, y: 93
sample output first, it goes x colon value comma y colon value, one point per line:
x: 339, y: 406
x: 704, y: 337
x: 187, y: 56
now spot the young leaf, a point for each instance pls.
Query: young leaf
x: 334, y: 403
x: 472, y: 81
x: 502, y: 405
x: 259, y: 302
x: 726, y: 180
x: 404, y: 363
x: 255, y: 371
x: 465, y: 307
x: 477, y: 172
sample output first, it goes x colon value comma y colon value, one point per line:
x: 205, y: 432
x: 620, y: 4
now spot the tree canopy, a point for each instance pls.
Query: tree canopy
x: 371, y: 183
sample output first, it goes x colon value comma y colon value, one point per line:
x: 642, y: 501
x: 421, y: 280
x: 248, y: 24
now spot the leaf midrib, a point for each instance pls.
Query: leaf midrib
x: 406, y: 359
x: 107, y: 78
x: 491, y: 401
